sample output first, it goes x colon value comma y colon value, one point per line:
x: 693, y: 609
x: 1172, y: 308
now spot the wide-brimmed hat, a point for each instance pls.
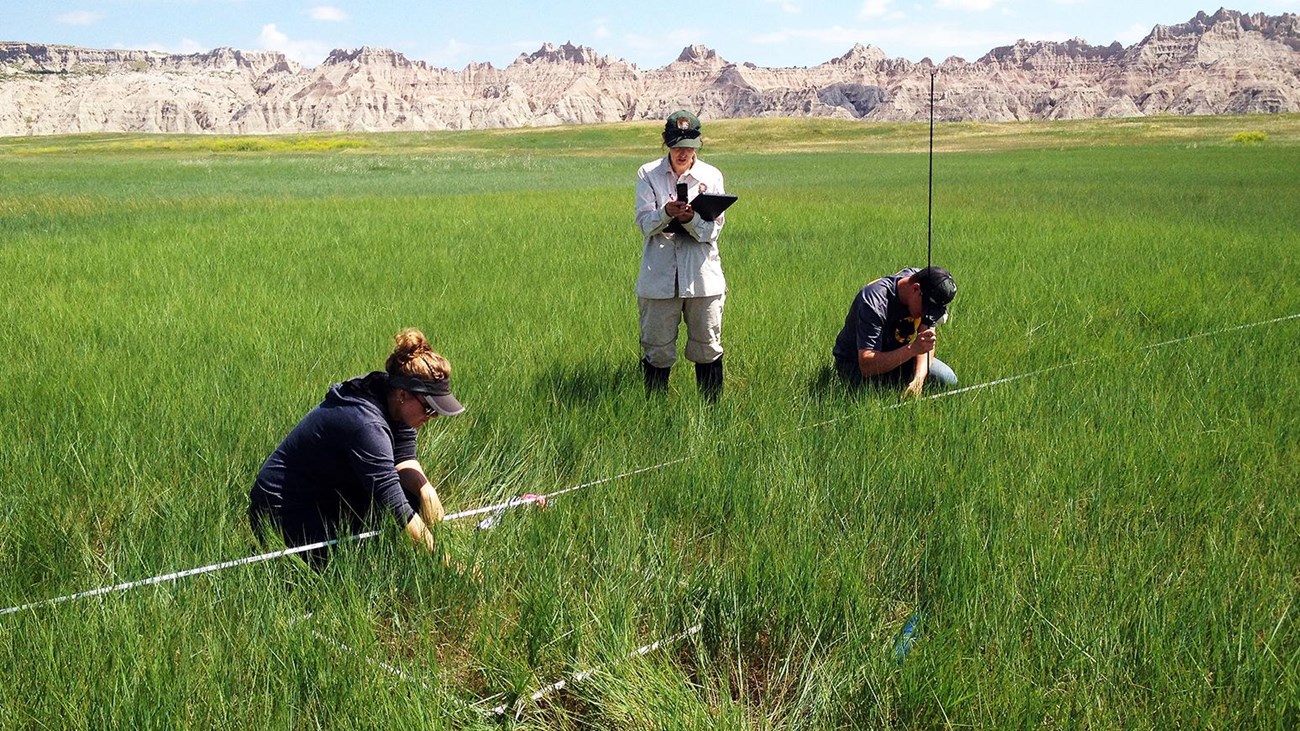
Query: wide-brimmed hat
x: 434, y: 393
x: 682, y: 130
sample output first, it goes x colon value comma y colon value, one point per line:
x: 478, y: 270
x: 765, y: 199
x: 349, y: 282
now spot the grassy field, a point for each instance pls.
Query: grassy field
x: 1110, y: 542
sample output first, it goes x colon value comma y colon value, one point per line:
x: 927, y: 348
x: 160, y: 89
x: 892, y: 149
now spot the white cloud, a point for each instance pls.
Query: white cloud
x: 304, y: 52
x: 971, y: 5
x: 328, y: 14
x: 673, y: 41
x: 452, y: 54
x: 79, y: 17
x: 878, y: 10
x: 786, y: 6
x: 1133, y: 33
x: 836, y: 35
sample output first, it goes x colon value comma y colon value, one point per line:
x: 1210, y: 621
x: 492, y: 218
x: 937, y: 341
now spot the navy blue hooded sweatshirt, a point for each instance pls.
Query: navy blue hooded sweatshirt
x: 336, y: 464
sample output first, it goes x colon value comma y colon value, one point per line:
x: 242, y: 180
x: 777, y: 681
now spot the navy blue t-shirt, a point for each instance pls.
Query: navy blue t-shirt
x: 877, y: 320
x: 342, y: 455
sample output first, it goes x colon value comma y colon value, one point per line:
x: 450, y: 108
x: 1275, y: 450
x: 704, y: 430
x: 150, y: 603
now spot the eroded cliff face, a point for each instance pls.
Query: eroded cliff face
x: 1228, y: 62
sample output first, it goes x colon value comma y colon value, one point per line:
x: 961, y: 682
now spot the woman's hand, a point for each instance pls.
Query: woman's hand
x: 680, y: 210
x: 430, y: 506
x: 420, y: 533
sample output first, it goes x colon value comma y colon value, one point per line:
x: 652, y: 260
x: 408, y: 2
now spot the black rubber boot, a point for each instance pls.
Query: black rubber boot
x: 656, y: 379
x: 708, y: 377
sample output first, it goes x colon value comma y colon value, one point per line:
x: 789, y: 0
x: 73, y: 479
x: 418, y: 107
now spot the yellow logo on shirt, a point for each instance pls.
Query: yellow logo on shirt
x: 906, y: 329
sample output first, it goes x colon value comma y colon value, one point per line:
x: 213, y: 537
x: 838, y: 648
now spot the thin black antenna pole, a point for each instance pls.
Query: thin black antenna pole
x: 929, y: 225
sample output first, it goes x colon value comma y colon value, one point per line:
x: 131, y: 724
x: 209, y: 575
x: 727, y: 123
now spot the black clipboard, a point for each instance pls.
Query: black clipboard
x: 708, y: 205
x: 711, y: 205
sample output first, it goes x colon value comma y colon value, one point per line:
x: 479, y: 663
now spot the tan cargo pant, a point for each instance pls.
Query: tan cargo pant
x: 660, y: 320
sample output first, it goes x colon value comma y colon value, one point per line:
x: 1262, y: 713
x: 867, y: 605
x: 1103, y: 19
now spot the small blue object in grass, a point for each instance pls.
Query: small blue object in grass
x: 906, y: 636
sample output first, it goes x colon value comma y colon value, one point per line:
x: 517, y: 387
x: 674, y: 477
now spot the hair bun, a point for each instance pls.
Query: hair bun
x: 413, y: 356
x: 410, y: 343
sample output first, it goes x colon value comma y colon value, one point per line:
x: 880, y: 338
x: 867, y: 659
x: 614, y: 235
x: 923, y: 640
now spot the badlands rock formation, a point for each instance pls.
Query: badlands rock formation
x: 1228, y: 62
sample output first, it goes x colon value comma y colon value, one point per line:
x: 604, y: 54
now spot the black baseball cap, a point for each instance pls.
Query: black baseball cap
x: 938, y: 288
x: 436, y: 393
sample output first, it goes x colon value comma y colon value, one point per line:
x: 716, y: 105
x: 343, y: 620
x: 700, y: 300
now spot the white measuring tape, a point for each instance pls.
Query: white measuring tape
x: 497, y: 509
x: 515, y: 502
x: 580, y: 676
x: 518, y: 705
x: 190, y: 572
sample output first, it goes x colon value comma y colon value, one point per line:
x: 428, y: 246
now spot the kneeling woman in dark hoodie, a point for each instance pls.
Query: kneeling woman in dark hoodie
x: 356, y: 450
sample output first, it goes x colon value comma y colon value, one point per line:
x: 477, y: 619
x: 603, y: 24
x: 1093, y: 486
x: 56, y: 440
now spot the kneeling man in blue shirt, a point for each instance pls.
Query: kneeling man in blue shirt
x: 888, y: 336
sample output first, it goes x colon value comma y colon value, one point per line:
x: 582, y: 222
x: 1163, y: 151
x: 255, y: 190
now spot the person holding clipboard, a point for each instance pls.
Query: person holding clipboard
x: 679, y: 209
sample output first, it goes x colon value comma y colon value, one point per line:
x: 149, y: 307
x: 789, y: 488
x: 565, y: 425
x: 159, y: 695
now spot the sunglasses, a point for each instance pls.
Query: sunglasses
x: 677, y: 135
x: 430, y: 409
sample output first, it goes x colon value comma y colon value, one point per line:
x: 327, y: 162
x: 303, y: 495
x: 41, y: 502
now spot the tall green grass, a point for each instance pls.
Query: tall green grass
x: 1110, y: 544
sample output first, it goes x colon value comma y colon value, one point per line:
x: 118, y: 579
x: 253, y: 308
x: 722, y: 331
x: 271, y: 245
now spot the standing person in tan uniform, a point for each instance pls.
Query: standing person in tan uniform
x: 681, y: 272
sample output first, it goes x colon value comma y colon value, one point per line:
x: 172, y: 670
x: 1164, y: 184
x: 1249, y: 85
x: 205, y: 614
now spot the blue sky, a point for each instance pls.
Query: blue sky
x: 649, y: 34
